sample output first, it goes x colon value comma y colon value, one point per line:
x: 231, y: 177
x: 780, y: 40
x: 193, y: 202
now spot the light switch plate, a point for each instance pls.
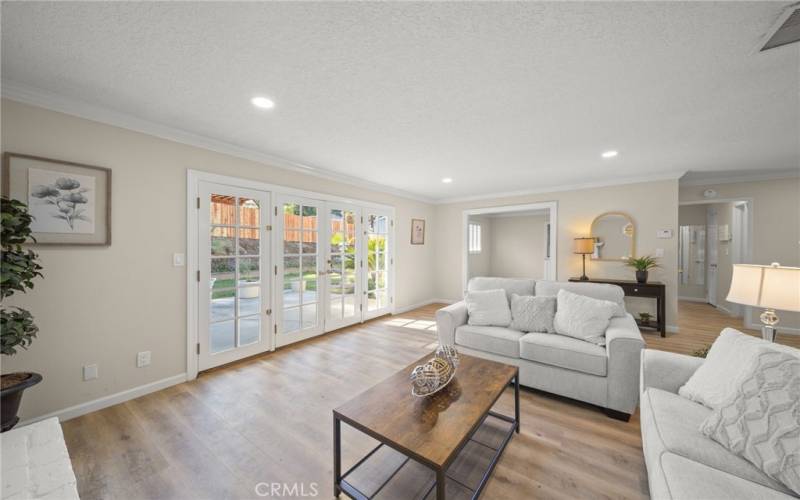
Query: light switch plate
x: 178, y: 259
x: 90, y: 372
x: 142, y: 359
x: 659, y: 252
x: 664, y: 233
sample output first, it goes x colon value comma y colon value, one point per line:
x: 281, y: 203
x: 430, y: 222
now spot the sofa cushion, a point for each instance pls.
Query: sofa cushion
x: 687, y: 479
x: 510, y: 285
x: 761, y: 422
x: 492, y: 339
x: 601, y: 291
x: 488, y: 308
x: 718, y: 377
x: 671, y: 424
x: 530, y: 313
x: 583, y: 317
x: 564, y: 352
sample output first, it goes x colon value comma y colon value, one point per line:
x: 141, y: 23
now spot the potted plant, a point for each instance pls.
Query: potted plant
x: 642, y: 266
x: 17, y: 329
x: 645, y: 318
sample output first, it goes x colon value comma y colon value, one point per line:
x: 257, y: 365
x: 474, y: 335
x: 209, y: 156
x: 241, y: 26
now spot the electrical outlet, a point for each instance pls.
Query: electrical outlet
x: 89, y: 372
x: 659, y: 252
x: 143, y: 359
x: 178, y: 259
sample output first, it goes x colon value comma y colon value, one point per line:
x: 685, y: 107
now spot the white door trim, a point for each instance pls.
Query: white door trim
x: 551, y: 270
x: 193, y: 178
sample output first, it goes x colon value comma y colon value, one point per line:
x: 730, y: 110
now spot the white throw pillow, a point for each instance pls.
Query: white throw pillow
x: 718, y: 377
x: 488, y: 308
x: 533, y: 313
x: 583, y: 317
x: 760, y: 422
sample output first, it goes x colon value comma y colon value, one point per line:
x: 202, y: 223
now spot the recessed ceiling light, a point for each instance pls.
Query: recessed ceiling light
x: 262, y: 102
x: 447, y: 180
x: 609, y: 154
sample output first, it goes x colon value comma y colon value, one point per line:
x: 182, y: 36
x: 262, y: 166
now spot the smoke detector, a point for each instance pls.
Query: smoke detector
x: 785, y: 31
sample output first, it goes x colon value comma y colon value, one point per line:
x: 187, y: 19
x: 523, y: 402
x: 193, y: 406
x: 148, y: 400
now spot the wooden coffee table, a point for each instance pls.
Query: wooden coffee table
x: 432, y: 431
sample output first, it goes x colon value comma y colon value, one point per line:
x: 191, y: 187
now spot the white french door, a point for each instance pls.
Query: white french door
x: 378, y: 262
x: 343, y: 266
x: 298, y: 268
x: 234, y: 254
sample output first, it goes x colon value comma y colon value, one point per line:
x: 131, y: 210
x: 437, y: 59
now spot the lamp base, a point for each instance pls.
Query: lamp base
x: 768, y: 333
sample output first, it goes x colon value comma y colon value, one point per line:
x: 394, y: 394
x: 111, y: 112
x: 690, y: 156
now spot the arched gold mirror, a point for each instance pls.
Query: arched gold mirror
x: 615, y: 236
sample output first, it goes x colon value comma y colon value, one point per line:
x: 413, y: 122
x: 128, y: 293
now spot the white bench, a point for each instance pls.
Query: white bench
x: 36, y: 464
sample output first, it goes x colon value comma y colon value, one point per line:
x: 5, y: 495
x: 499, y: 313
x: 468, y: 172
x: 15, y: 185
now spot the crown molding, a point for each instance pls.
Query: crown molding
x: 744, y: 177
x: 48, y: 100
x: 566, y: 187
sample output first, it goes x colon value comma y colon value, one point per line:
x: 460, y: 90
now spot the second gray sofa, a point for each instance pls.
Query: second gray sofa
x: 604, y: 376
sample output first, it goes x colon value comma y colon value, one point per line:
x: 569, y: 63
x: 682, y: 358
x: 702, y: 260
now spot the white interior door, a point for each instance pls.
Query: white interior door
x: 378, y: 263
x: 343, y: 266
x: 234, y: 254
x: 297, y: 269
x: 712, y: 255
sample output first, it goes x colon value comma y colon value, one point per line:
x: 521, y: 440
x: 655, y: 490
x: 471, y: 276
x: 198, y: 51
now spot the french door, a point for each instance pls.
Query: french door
x: 233, y: 251
x: 378, y: 262
x: 343, y: 265
x: 298, y: 269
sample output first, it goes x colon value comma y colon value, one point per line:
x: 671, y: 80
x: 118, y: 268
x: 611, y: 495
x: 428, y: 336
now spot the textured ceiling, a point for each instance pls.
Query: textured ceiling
x: 499, y: 96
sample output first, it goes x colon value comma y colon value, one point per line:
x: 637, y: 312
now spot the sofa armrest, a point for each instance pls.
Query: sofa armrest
x: 624, y: 344
x: 448, y: 319
x: 667, y: 370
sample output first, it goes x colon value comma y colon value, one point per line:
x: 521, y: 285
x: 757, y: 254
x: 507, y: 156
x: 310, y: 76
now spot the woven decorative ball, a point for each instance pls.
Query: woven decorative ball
x: 449, y: 354
x: 425, y: 378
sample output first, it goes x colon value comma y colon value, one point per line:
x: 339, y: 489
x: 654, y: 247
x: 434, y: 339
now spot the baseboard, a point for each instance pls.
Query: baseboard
x: 781, y: 330
x: 673, y: 329
x: 110, y: 400
x: 694, y: 299
x: 405, y: 309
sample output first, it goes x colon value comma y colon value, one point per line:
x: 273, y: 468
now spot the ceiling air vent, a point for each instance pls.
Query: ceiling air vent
x: 788, y: 30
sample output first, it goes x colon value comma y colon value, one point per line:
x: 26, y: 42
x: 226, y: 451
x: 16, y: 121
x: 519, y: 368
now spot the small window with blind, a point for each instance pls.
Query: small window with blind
x: 474, y: 238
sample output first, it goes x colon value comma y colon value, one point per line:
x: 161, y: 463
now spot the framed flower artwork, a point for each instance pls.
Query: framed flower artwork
x: 70, y: 202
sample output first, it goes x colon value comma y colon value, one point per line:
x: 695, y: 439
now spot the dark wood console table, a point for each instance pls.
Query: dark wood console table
x: 651, y: 289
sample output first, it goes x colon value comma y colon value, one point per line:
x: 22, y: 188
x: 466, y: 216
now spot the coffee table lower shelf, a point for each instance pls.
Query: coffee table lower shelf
x: 477, y: 457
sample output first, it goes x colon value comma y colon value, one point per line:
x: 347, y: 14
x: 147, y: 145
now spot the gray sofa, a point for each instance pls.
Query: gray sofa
x: 604, y: 376
x: 682, y: 463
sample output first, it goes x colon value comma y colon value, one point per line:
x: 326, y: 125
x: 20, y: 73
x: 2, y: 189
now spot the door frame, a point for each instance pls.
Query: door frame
x: 551, y: 269
x: 748, y: 247
x: 193, y: 178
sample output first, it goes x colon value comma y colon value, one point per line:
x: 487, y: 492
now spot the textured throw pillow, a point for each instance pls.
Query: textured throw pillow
x: 533, y: 314
x: 488, y: 308
x: 583, y: 317
x: 718, y: 377
x: 760, y: 422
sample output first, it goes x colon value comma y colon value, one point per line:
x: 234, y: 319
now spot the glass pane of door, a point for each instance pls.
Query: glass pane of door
x: 298, y: 269
x: 232, y: 254
x: 378, y: 260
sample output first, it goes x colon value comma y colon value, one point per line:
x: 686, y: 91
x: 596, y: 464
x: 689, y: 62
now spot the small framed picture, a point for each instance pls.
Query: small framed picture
x: 70, y: 202
x: 417, y: 231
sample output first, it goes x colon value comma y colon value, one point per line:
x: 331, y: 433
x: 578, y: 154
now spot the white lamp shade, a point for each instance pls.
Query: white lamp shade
x: 771, y: 287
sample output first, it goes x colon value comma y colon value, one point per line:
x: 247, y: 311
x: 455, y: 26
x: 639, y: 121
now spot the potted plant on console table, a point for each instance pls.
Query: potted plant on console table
x: 19, y: 268
x: 642, y: 266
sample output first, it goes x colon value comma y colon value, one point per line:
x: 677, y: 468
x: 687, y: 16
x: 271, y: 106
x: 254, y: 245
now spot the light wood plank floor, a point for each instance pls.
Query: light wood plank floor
x: 268, y: 419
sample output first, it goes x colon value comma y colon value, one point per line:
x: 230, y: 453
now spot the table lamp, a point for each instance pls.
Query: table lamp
x: 771, y: 287
x: 584, y: 247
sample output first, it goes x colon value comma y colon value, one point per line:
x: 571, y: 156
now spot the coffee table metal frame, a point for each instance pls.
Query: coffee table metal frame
x: 341, y: 485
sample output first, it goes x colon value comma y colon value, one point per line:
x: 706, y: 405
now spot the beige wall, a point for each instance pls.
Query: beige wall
x: 776, y: 222
x: 480, y: 264
x: 103, y: 305
x: 652, y: 205
x: 518, y: 246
